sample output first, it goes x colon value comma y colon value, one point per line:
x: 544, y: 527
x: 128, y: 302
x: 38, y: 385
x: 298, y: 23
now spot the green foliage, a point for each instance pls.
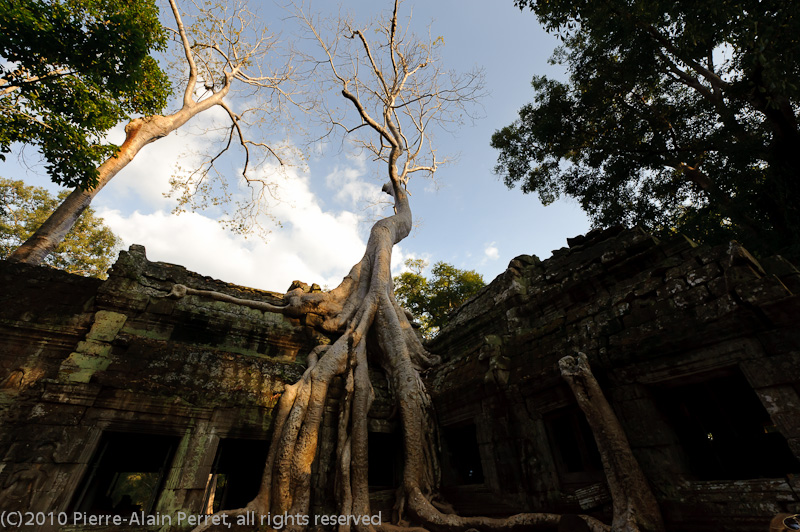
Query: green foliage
x: 676, y: 115
x: 71, y: 70
x: 432, y: 301
x: 134, y: 491
x: 89, y: 249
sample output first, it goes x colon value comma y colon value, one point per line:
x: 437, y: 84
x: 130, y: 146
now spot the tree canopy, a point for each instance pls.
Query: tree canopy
x: 676, y: 116
x: 70, y: 71
x: 432, y: 300
x: 220, y: 49
x: 89, y: 249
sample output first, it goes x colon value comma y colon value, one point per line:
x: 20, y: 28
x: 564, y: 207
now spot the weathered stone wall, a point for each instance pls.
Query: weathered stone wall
x: 652, y: 317
x: 80, y: 357
x: 663, y: 324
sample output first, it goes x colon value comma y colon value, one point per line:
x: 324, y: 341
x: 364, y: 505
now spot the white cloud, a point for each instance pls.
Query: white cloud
x: 348, y: 187
x: 317, y: 242
x: 351, y: 191
x: 399, y: 266
x: 313, y: 245
x: 398, y: 260
x: 144, y: 181
x: 491, y: 252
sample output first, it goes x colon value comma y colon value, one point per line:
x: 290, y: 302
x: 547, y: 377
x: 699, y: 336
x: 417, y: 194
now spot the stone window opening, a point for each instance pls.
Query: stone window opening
x: 461, y: 459
x: 723, y: 428
x: 574, y: 449
x: 385, y: 460
x: 236, y: 474
x: 126, y: 474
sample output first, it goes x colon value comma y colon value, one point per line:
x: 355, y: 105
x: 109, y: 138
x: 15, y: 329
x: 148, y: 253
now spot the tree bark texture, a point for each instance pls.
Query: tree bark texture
x: 635, y: 507
x: 361, y: 305
x: 138, y: 133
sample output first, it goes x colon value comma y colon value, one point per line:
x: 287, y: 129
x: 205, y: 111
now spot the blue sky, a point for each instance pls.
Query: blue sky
x: 469, y: 218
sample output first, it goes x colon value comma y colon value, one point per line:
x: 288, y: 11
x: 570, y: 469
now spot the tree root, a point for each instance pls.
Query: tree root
x: 635, y: 506
x: 364, y: 304
x: 287, y: 477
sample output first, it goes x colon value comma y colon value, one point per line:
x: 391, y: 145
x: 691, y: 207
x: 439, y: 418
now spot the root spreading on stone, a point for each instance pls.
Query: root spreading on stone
x: 364, y: 304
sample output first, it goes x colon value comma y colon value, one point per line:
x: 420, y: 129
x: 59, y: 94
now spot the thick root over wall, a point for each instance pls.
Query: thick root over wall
x: 364, y: 304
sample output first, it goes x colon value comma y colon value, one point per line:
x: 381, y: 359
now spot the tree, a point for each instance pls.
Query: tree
x: 89, y: 248
x: 431, y: 301
x: 73, y: 69
x: 220, y: 51
x: 397, y: 92
x: 676, y: 115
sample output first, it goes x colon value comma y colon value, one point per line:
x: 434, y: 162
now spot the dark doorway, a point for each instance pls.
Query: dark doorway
x: 462, y: 458
x: 724, y: 429
x: 236, y: 474
x: 574, y: 448
x: 385, y: 455
x: 126, y: 474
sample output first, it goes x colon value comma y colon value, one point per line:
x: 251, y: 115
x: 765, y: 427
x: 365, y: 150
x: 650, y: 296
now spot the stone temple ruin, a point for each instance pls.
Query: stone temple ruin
x: 116, y: 399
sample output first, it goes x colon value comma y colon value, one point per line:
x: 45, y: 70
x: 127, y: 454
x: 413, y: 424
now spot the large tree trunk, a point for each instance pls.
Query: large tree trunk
x: 781, y: 190
x: 138, y: 133
x: 635, y: 507
x: 365, y: 303
x: 52, y: 232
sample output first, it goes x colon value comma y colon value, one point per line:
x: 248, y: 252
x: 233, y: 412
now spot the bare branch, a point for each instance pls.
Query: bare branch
x: 13, y: 85
x: 394, y: 86
x: 228, y: 67
x: 377, y: 71
x: 711, y: 76
x: 187, y: 94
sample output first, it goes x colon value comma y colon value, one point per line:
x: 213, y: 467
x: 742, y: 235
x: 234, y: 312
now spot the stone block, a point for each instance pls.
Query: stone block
x: 715, y: 309
x: 765, y: 290
x: 45, y: 414
x: 677, y: 245
x: 773, y: 371
x: 719, y: 286
x: 670, y: 288
x: 161, y: 306
x: 691, y: 298
x: 593, y: 496
x: 93, y: 348
x: 741, y: 275
x: 681, y: 270
x: 783, y: 311
x: 106, y: 326
x: 80, y: 367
